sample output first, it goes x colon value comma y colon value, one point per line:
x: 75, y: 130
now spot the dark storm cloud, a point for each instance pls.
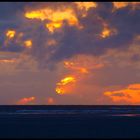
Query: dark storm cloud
x: 72, y: 41
x: 126, y: 23
x: 9, y: 12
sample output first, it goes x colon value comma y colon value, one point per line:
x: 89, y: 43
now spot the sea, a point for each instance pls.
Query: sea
x: 69, y: 121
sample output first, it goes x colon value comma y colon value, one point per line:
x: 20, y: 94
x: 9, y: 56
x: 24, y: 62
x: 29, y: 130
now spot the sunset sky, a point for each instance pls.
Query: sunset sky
x: 70, y: 53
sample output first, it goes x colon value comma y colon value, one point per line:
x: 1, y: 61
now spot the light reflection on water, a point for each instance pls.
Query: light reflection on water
x: 94, y: 111
x: 127, y: 115
x: 70, y: 112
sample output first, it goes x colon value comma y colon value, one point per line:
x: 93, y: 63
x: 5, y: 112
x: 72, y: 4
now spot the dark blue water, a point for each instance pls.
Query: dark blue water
x: 69, y: 121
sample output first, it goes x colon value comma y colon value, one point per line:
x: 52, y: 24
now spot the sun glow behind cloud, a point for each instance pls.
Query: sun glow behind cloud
x: 63, y: 85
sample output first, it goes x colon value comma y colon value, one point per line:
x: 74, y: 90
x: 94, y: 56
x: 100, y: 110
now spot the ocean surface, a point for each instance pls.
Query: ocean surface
x: 69, y: 121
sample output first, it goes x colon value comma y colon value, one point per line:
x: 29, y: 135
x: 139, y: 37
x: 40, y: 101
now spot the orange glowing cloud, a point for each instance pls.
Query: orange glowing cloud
x: 107, y: 30
x: 7, y: 60
x: 105, y: 33
x: 17, y: 39
x: 85, y: 6
x: 79, y: 68
x: 10, y: 34
x: 73, y: 66
x: 53, y: 26
x: 119, y: 5
x: 64, y: 85
x: 27, y: 100
x: 50, y: 101
x: 83, y: 63
x: 66, y: 80
x: 131, y: 94
x: 54, y: 17
x: 28, y: 43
